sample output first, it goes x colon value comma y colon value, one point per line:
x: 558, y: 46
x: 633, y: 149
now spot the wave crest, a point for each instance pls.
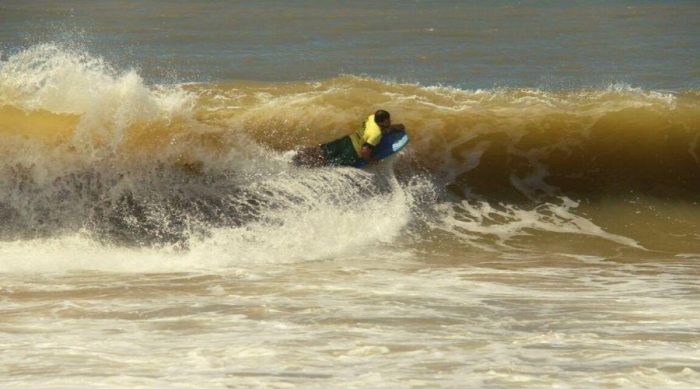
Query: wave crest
x: 84, y: 146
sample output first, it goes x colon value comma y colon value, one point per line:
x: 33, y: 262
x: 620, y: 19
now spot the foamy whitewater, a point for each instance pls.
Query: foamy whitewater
x: 155, y: 234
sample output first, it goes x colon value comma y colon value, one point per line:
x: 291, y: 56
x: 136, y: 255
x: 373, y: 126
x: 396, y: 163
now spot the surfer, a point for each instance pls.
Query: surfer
x: 346, y: 151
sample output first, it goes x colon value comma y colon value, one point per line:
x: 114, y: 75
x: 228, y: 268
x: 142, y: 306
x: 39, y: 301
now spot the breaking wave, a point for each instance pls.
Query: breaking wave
x: 86, y: 147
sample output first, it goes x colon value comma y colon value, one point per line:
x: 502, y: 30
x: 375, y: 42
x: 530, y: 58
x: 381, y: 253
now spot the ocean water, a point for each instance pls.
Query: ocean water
x: 541, y: 229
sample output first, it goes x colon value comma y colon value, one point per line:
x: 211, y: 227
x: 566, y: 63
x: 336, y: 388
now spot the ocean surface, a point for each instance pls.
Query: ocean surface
x: 542, y: 229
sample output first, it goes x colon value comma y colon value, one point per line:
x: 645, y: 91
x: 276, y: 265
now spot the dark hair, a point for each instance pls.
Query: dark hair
x: 381, y: 116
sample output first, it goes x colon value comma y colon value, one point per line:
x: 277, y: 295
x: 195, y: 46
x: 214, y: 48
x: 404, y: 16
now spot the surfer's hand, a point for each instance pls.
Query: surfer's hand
x: 366, y: 153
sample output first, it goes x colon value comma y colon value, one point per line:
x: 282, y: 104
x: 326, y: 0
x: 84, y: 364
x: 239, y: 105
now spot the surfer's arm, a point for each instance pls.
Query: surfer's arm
x: 396, y: 128
x: 367, y: 154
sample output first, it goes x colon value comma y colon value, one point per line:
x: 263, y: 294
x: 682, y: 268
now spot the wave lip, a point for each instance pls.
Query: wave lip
x: 506, y: 143
x: 509, y: 144
x: 89, y: 103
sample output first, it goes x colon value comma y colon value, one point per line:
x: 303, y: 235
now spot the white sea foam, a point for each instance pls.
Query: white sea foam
x: 473, y: 221
x: 61, y: 79
x: 64, y: 80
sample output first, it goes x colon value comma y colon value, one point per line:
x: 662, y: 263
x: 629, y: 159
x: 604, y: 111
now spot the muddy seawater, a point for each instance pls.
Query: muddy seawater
x: 542, y: 228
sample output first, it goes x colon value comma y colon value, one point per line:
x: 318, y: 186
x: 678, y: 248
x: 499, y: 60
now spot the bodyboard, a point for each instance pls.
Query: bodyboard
x: 390, y: 144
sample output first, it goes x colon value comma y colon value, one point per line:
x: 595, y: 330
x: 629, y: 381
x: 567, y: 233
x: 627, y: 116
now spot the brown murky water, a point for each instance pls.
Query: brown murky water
x: 540, y: 231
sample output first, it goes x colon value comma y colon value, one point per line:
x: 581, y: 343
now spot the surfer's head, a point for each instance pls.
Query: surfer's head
x: 382, y: 118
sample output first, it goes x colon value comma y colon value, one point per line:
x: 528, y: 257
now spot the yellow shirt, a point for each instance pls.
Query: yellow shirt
x: 370, y: 133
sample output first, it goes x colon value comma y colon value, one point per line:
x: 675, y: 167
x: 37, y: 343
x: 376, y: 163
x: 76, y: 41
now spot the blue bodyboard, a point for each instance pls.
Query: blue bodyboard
x: 390, y: 144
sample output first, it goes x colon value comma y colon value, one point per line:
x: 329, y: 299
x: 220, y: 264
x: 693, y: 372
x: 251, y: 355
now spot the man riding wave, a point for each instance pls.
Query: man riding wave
x: 348, y: 150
